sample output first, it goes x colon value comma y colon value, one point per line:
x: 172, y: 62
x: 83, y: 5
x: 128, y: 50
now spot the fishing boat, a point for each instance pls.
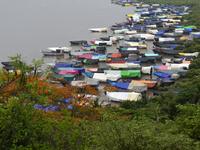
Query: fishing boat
x: 98, y: 29
x: 108, y: 43
x: 63, y: 49
x: 47, y: 53
x: 78, y: 42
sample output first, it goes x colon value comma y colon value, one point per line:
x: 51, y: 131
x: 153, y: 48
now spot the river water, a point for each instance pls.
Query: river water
x: 30, y: 26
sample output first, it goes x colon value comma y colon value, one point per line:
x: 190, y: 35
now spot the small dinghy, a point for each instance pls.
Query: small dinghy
x: 47, y: 53
x: 98, y: 29
x: 122, y: 96
x: 131, y: 87
x: 108, y: 43
x: 102, y: 77
x: 63, y: 49
x: 82, y: 42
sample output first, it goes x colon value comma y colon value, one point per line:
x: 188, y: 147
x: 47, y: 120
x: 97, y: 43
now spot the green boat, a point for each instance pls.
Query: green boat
x: 66, y: 77
x: 130, y: 73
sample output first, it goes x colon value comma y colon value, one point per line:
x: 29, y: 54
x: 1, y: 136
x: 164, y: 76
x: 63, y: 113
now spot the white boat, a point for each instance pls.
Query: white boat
x: 125, y: 65
x: 131, y: 32
x: 151, y: 26
x: 122, y: 31
x: 166, y: 39
x: 98, y: 29
x: 65, y: 49
x: 109, y: 43
x: 122, y: 96
x: 152, y: 31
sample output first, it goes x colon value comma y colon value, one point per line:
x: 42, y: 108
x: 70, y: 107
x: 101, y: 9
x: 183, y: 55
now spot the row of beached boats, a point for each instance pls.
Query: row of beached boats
x: 158, y: 23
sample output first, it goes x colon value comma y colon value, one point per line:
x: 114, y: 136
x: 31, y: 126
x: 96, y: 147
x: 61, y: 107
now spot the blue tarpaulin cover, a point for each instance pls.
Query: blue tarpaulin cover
x: 63, y: 65
x: 120, y: 85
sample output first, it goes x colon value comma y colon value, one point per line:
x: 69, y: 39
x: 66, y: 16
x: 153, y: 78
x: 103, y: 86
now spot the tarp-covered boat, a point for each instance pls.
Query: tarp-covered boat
x: 102, y: 77
x: 123, y: 65
x: 80, y: 70
x: 91, y: 83
x: 60, y: 65
x: 124, y: 73
x: 122, y: 96
x: 132, y: 87
x: 180, y: 72
x: 150, y: 84
x: 167, y: 75
x: 61, y: 76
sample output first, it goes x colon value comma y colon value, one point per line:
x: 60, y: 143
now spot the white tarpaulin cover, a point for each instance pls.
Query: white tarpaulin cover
x: 125, y: 65
x: 121, y: 96
x: 104, y: 77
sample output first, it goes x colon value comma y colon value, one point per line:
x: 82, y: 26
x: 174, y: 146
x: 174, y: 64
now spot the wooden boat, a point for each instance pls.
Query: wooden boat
x: 7, y: 63
x: 98, y: 29
x: 150, y: 84
x: 47, y: 53
x: 78, y: 42
x: 122, y: 96
x: 57, y: 49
